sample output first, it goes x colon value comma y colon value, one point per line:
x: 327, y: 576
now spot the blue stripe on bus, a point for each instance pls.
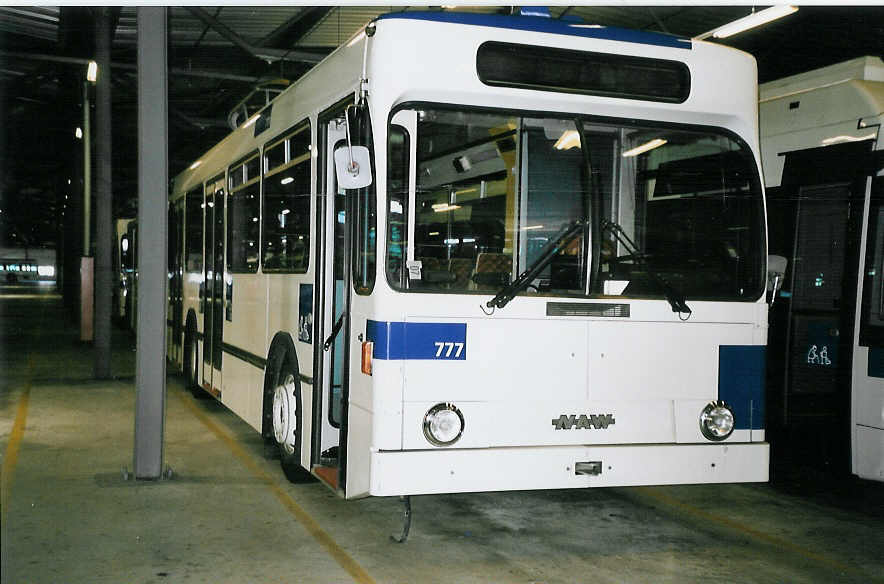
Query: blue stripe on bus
x: 547, y: 25
x: 417, y: 340
x: 741, y: 379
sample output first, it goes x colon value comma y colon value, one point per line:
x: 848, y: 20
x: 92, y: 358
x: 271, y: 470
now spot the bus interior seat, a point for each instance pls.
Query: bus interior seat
x: 462, y: 269
x: 493, y: 269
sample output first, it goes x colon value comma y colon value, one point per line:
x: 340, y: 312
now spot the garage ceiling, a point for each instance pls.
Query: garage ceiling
x: 219, y: 55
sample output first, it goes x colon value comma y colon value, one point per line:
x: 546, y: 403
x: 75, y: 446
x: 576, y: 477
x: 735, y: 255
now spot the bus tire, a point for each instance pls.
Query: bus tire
x: 191, y: 364
x: 282, y: 392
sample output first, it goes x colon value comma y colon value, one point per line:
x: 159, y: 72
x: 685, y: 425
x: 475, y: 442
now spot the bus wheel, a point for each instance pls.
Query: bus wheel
x: 191, y: 364
x: 286, y: 415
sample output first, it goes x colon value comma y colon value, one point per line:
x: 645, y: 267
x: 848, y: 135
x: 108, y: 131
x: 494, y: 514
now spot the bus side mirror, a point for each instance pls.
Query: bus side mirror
x: 776, y: 269
x: 353, y: 167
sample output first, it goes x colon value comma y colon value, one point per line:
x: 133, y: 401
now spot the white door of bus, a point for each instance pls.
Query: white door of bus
x: 334, y: 302
x: 213, y: 318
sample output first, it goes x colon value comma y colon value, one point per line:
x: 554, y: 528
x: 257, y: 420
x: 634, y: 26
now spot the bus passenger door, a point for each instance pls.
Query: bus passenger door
x: 815, y: 221
x: 213, y: 317
x: 176, y: 296
x: 333, y: 302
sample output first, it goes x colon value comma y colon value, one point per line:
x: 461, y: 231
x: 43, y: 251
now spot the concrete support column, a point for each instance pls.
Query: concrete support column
x: 150, y: 376
x: 86, y: 261
x: 103, y: 196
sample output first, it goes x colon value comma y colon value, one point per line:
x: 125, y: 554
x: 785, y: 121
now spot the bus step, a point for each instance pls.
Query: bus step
x: 327, y: 474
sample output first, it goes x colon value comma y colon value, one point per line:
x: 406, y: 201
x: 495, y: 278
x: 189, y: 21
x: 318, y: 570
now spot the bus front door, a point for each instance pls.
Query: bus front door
x: 333, y: 300
x: 213, y: 317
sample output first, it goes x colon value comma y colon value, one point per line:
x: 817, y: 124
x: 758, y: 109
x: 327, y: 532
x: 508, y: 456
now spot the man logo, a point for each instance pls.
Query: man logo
x: 583, y: 422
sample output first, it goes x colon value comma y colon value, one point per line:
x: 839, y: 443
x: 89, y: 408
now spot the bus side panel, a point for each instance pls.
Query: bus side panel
x: 283, y: 311
x: 244, y: 331
x: 869, y: 453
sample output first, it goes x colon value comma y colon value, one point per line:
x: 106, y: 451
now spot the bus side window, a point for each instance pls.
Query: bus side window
x: 286, y: 210
x: 243, y: 208
x: 397, y: 213
x: 193, y: 244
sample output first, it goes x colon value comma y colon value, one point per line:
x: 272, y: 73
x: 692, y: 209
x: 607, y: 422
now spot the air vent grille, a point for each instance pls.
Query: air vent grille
x: 587, y: 309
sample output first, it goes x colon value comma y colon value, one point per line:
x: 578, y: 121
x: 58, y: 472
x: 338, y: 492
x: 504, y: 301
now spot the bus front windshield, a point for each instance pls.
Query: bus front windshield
x: 660, y: 204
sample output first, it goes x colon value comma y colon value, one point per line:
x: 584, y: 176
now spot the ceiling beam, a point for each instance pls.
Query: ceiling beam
x: 265, y: 54
x: 129, y: 66
x: 289, y: 33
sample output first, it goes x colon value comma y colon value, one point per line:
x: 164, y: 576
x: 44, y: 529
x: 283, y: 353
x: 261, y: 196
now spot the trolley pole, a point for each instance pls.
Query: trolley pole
x: 150, y: 359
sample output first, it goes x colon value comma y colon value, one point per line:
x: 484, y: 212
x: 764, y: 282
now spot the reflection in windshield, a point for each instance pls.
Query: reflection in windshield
x: 493, y: 189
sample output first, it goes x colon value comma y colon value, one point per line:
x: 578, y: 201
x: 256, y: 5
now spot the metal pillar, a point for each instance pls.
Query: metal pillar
x: 87, y: 172
x: 86, y: 264
x: 150, y: 361
x: 103, y: 196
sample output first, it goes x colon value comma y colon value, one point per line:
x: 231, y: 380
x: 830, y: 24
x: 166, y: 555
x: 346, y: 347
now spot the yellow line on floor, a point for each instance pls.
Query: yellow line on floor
x: 10, y: 457
x: 654, y: 493
x: 320, y: 535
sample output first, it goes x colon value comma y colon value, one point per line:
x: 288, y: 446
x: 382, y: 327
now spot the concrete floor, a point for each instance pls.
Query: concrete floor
x: 228, y: 514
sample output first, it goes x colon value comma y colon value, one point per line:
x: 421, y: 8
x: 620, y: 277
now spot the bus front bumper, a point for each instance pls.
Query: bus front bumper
x: 438, y: 471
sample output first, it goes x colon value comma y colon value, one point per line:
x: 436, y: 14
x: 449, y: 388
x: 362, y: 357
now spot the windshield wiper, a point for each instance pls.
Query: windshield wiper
x: 549, y: 251
x: 675, y: 299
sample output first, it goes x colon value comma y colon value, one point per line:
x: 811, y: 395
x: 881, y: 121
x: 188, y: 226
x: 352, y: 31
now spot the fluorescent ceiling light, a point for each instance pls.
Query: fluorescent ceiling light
x: 655, y: 143
x: 569, y: 139
x: 92, y: 71
x: 837, y: 139
x: 751, y: 21
x: 287, y: 180
x: 195, y: 164
x: 445, y: 208
x: 79, y: 134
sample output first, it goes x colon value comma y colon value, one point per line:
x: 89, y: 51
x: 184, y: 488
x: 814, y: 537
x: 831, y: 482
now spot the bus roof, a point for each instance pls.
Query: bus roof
x: 546, y: 25
x: 862, y: 69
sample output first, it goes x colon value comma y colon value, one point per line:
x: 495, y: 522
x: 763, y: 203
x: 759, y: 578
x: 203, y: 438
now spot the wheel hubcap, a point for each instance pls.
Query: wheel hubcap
x: 285, y: 414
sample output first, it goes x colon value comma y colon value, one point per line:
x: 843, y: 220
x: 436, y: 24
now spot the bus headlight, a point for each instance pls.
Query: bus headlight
x: 717, y: 421
x: 443, y: 424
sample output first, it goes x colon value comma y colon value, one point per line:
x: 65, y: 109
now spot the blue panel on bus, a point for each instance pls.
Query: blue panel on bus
x: 741, y: 371
x: 548, y: 25
x: 876, y: 361
x: 418, y: 340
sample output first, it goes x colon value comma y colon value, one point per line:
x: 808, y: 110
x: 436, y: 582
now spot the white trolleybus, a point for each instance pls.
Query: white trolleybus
x: 475, y: 253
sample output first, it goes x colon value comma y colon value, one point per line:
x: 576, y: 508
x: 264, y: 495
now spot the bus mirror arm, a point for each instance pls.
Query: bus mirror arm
x: 551, y: 249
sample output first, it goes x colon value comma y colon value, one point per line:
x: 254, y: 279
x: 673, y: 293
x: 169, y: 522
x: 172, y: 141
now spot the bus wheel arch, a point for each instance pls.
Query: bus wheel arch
x: 282, y: 411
